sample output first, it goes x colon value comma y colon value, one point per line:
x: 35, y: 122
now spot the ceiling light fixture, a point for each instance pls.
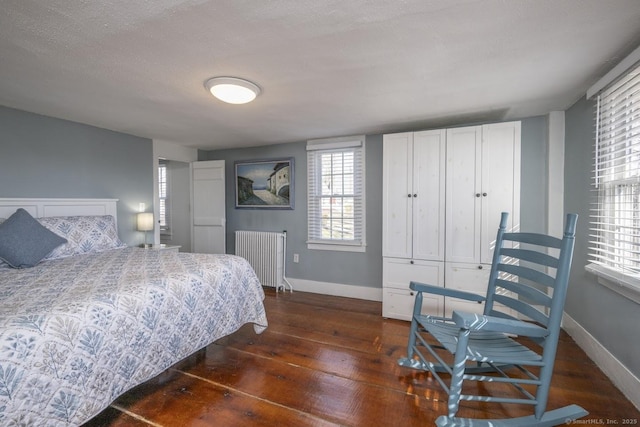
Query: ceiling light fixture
x: 232, y: 89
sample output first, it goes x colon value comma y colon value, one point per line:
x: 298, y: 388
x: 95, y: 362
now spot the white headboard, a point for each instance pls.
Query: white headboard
x: 59, y: 207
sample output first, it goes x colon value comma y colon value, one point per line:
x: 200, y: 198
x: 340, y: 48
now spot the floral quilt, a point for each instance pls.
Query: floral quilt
x: 77, y: 332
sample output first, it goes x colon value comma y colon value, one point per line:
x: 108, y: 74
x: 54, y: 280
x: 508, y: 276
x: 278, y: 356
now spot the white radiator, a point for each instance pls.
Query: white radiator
x: 266, y: 252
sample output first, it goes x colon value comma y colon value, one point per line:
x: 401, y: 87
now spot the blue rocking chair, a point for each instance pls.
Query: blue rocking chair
x: 527, y: 268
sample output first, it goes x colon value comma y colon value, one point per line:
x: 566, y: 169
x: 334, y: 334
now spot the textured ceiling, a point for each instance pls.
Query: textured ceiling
x: 326, y: 68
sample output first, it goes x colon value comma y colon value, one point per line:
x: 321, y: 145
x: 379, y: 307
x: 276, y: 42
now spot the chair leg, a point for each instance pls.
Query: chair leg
x: 459, y: 362
x: 542, y: 393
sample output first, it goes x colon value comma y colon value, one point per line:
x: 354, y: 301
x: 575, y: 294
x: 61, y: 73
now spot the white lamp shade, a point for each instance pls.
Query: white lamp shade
x: 232, y: 90
x: 145, y: 221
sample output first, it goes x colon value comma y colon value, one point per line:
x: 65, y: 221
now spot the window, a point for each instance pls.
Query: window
x: 164, y: 209
x: 336, y: 194
x: 615, y: 219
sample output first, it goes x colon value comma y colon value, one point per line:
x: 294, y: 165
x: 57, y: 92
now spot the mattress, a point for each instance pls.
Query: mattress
x: 77, y: 332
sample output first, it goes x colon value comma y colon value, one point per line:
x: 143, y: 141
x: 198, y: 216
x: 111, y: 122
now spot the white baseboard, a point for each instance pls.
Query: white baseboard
x: 336, y: 289
x: 622, y: 377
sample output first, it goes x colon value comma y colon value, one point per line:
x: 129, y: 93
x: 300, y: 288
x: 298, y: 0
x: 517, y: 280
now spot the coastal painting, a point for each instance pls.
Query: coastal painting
x: 264, y: 184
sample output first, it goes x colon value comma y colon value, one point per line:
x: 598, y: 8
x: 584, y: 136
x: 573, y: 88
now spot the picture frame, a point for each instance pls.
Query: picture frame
x: 265, y: 183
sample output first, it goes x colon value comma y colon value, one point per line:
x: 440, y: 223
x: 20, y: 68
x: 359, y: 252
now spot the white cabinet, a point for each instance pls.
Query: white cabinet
x: 463, y: 182
x: 483, y: 180
x: 413, y: 193
x: 443, y: 192
x: 413, y: 218
x: 397, y: 298
x: 468, y: 278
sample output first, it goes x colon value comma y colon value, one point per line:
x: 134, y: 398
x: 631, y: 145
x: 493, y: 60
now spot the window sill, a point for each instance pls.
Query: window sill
x: 336, y: 247
x: 624, y: 285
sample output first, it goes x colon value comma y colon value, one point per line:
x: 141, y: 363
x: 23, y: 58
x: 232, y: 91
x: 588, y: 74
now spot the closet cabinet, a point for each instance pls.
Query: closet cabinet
x: 443, y: 192
x: 413, y: 218
x: 482, y: 181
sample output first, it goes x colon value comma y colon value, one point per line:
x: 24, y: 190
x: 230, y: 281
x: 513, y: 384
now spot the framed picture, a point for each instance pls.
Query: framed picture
x: 264, y: 184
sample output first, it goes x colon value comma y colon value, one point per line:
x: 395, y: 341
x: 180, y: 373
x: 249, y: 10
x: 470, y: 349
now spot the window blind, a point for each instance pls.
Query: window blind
x: 164, y: 208
x: 335, y: 179
x: 615, y: 217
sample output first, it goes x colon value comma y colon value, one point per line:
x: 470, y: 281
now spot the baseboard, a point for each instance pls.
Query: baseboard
x: 336, y: 289
x: 622, y: 377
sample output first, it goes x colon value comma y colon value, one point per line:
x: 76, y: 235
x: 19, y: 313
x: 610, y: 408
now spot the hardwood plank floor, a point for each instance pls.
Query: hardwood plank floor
x: 331, y: 361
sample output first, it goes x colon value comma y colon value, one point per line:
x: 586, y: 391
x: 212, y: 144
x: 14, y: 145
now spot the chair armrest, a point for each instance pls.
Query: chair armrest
x: 479, y: 322
x: 439, y: 290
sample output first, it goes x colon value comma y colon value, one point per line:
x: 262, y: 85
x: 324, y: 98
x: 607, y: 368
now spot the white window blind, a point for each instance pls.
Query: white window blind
x: 164, y: 209
x: 336, y: 193
x: 615, y: 217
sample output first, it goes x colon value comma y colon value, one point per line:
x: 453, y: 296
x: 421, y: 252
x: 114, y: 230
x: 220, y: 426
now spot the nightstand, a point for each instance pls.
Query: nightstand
x: 163, y: 247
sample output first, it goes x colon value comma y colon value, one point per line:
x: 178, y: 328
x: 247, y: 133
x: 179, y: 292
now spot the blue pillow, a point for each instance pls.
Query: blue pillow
x: 24, y: 241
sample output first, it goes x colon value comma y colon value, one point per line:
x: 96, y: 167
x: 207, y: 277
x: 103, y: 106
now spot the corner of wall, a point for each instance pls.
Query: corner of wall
x: 621, y: 377
x: 555, y: 173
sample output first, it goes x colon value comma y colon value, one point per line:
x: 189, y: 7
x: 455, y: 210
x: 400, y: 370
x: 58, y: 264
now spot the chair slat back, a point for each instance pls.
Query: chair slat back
x: 530, y: 273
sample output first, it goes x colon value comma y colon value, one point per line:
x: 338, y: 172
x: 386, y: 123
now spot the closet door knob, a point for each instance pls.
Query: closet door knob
x: 477, y: 194
x: 484, y: 194
x: 415, y: 195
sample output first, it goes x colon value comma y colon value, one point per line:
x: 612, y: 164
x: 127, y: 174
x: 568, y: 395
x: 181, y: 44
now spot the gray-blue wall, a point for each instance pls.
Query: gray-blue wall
x: 46, y: 157
x: 352, y: 268
x: 362, y: 269
x: 611, y: 318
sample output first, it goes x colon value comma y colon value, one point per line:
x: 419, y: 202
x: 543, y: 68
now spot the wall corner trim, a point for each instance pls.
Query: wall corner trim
x: 555, y: 172
x: 621, y: 377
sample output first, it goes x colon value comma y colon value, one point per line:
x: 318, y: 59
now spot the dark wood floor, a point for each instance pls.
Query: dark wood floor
x: 328, y: 361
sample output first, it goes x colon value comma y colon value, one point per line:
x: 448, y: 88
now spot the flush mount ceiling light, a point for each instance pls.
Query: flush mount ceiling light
x: 232, y: 89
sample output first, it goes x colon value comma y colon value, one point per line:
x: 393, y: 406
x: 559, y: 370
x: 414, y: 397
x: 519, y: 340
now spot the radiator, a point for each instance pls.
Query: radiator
x: 266, y: 252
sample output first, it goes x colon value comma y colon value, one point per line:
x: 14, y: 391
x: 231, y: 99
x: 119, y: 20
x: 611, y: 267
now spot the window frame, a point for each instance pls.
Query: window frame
x: 616, y: 175
x: 165, y: 230
x: 316, y: 148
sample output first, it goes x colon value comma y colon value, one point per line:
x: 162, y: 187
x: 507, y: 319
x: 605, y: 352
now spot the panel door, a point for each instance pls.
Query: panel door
x: 463, y: 174
x: 209, y: 216
x: 500, y: 182
x: 429, y: 157
x: 397, y: 195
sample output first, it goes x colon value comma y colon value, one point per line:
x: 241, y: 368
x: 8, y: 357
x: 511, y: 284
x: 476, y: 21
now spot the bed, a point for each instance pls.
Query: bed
x: 95, y: 318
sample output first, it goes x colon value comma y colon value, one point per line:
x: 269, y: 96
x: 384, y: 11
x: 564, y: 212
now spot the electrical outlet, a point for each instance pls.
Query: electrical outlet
x: 296, y: 258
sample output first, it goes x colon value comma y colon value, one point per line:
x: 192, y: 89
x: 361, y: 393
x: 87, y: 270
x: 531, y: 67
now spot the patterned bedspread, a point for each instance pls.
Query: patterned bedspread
x: 75, y: 333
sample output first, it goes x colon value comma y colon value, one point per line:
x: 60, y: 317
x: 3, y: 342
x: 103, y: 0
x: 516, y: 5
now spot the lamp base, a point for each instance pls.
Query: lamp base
x: 145, y: 245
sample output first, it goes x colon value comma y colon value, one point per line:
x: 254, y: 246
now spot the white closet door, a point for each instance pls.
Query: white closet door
x: 463, y: 194
x: 429, y: 149
x: 397, y: 188
x: 209, y: 216
x: 500, y: 182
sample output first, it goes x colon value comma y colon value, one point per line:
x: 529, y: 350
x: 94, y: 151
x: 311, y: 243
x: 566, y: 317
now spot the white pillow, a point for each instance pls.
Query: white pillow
x: 84, y: 234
